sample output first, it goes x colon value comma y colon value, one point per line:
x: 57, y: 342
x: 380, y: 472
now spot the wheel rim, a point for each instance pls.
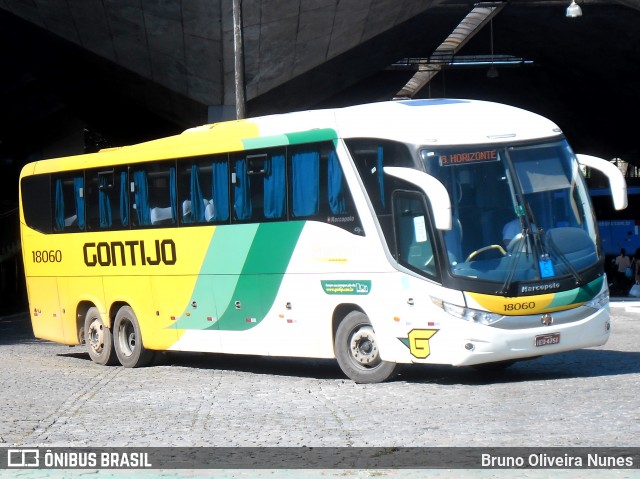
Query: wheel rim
x: 363, y: 348
x: 127, y: 338
x: 96, y: 336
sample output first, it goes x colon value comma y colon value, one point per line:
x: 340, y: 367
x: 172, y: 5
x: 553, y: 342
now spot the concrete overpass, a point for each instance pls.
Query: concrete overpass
x: 135, y: 69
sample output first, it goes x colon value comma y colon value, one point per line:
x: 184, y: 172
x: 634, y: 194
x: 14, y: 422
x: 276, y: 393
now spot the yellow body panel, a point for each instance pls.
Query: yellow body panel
x: 157, y: 293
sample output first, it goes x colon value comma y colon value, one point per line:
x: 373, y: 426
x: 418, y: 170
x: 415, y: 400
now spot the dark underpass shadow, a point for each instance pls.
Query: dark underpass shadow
x: 16, y: 328
x: 582, y: 363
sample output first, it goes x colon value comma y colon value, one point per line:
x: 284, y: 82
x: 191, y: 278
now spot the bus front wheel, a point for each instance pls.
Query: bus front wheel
x: 128, y: 340
x: 357, y: 353
x: 98, y: 339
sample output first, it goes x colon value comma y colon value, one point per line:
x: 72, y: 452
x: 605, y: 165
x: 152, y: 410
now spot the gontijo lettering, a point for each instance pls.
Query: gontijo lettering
x: 118, y: 253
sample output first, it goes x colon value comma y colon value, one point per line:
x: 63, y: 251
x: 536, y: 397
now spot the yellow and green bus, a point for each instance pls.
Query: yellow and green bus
x: 372, y: 234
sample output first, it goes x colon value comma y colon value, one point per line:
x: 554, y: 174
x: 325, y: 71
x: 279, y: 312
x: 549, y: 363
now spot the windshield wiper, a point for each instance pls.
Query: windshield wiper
x: 518, y: 248
x: 531, y: 235
x: 560, y: 255
x: 534, y: 230
x: 509, y: 279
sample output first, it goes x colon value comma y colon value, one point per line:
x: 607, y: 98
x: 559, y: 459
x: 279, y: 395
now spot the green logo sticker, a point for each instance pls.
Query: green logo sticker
x: 347, y: 287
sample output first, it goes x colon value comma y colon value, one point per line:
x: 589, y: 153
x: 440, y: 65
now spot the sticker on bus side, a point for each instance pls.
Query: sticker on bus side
x: 346, y: 286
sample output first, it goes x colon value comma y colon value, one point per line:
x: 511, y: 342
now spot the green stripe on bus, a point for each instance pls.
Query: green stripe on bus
x: 245, y: 263
x: 264, y: 142
x: 218, y: 275
x: 310, y: 136
x: 262, y: 275
x: 581, y: 294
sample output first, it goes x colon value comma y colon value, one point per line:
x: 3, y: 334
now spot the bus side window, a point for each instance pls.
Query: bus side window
x: 274, y: 186
x: 242, y: 204
x: 414, y: 244
x: 259, y: 185
x: 220, y: 188
x: 317, y: 182
x: 154, y: 194
x: 69, y: 202
x: 120, y: 198
x: 192, y: 202
x: 37, y: 202
x: 305, y: 182
x: 318, y: 189
x: 105, y: 207
x: 203, y: 190
x: 370, y: 157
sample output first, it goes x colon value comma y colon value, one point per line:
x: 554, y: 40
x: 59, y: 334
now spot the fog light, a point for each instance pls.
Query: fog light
x: 469, y: 347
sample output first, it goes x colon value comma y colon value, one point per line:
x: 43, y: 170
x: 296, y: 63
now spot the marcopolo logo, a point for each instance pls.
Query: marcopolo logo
x: 540, y: 288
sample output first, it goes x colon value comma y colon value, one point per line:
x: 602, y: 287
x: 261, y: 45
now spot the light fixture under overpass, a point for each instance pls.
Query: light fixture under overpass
x: 574, y: 10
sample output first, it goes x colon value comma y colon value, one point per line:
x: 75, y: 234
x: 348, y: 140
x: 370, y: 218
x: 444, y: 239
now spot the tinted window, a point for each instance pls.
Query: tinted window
x: 36, y: 202
x: 203, y: 190
x: 107, y: 199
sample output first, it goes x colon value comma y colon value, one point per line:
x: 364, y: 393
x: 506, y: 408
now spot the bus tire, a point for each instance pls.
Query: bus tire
x: 127, y: 340
x: 357, y: 352
x: 98, y: 339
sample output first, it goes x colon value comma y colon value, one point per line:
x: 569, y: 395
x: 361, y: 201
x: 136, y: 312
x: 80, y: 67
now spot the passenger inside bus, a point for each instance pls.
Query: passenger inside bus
x: 510, y: 230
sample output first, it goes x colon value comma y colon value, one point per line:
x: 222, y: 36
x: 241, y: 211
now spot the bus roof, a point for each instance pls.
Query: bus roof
x: 428, y: 122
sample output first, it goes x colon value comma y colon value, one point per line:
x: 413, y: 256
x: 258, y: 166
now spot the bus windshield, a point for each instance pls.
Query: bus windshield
x: 520, y: 213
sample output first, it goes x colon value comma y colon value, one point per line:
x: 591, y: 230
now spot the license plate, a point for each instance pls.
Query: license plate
x: 546, y: 339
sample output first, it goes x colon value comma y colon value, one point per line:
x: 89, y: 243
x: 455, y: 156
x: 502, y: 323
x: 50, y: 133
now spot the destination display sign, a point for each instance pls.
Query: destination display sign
x: 464, y: 157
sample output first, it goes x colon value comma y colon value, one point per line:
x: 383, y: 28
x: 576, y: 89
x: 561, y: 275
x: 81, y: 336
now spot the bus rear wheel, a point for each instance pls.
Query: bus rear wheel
x: 357, y: 352
x: 128, y: 340
x: 98, y: 339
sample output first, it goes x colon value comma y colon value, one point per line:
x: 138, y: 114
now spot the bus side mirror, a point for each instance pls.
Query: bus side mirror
x: 617, y: 183
x: 433, y: 188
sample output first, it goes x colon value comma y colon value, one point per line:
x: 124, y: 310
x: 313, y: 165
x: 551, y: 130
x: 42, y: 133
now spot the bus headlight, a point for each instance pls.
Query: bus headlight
x: 599, y: 301
x: 468, y: 314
